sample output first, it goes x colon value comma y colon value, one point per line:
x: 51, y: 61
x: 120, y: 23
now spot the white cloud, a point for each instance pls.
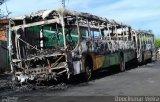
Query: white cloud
x: 142, y: 14
x: 129, y: 9
x: 21, y: 7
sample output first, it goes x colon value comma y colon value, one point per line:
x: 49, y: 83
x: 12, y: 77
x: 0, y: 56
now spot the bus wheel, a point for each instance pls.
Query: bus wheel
x: 88, y: 73
x: 150, y: 59
x: 141, y: 59
x: 122, y: 64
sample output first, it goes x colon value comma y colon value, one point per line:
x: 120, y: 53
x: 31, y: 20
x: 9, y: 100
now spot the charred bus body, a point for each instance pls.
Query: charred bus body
x: 54, y: 43
x: 145, y: 46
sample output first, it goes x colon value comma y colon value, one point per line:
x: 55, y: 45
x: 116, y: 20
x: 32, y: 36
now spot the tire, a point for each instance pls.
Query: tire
x: 150, y: 60
x: 122, y: 65
x: 88, y: 73
x: 141, y: 59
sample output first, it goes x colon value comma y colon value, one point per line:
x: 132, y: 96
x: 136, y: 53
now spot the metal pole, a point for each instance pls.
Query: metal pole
x: 62, y: 22
x: 10, y: 46
x: 63, y: 4
x: 64, y: 36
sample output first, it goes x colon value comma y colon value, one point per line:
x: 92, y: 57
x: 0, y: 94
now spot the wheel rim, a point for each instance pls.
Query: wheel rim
x: 122, y: 64
x: 140, y: 58
x: 88, y: 73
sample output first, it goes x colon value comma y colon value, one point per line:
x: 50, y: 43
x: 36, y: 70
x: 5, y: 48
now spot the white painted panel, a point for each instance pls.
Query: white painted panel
x: 77, y: 67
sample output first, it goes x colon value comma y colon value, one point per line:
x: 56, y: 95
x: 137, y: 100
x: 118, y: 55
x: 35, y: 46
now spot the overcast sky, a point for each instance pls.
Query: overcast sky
x: 140, y: 14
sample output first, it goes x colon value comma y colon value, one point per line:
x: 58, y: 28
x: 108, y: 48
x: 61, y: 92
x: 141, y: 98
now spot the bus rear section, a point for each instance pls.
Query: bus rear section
x: 145, y: 46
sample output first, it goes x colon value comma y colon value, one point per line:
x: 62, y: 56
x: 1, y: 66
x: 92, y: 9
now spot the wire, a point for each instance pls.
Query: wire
x: 28, y: 44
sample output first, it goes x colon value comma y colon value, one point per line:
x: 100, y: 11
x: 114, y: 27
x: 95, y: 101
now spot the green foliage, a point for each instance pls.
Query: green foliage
x: 157, y: 42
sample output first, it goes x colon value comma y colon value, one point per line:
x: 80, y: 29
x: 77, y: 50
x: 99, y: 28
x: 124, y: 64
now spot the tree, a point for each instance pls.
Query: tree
x: 157, y: 42
x: 2, y: 15
x: 1, y: 2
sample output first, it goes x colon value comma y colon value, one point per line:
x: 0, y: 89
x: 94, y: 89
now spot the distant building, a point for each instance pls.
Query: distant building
x: 3, y: 25
x: 3, y: 45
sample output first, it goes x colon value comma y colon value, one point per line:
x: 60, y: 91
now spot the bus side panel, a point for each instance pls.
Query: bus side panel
x: 129, y: 55
x: 114, y: 59
x: 99, y: 61
x: 147, y: 55
x: 111, y: 59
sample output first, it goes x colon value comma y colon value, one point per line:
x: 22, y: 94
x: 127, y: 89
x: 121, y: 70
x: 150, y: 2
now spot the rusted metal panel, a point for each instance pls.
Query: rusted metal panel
x: 3, y: 36
x: 3, y: 29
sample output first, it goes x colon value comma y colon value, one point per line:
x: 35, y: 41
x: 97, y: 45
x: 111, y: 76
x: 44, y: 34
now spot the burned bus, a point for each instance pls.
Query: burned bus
x: 145, y: 46
x: 49, y: 44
